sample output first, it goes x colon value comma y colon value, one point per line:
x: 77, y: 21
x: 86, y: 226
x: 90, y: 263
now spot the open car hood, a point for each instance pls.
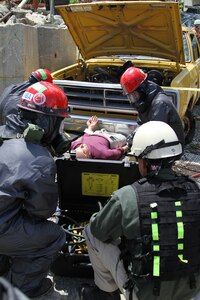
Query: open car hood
x: 149, y: 28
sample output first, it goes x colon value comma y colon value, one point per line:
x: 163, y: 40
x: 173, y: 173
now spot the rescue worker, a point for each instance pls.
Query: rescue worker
x: 145, y: 241
x: 12, y: 94
x: 28, y: 191
x: 150, y: 100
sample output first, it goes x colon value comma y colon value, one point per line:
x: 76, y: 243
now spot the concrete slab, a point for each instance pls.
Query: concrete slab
x: 24, y: 48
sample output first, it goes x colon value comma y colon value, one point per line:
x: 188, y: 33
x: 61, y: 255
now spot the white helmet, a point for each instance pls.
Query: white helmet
x: 197, y: 22
x: 155, y: 140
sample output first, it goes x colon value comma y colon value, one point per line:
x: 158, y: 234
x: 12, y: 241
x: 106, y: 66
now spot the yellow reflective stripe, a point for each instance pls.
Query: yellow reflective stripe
x: 154, y: 230
x: 178, y: 203
x: 155, y: 237
x: 180, y: 246
x: 156, y: 266
x: 154, y: 215
x: 180, y: 229
x: 156, y: 248
x: 182, y: 259
x: 179, y: 214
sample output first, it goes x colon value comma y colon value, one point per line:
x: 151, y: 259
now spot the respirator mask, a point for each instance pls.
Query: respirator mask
x: 137, y: 100
x: 61, y: 143
x: 46, y: 130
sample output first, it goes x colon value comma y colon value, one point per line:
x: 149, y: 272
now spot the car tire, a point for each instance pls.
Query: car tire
x: 189, y: 127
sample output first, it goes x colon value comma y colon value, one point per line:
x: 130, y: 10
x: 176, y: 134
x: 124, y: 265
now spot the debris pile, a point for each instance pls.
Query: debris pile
x: 33, y: 14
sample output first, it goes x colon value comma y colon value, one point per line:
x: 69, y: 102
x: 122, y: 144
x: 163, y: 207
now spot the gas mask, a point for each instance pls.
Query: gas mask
x: 46, y: 130
x: 137, y: 100
x: 61, y: 144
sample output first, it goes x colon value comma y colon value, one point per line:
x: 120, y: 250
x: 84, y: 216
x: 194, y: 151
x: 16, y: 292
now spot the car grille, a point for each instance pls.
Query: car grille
x: 106, y: 100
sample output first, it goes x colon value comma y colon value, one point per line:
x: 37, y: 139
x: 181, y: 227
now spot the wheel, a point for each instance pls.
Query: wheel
x: 189, y: 126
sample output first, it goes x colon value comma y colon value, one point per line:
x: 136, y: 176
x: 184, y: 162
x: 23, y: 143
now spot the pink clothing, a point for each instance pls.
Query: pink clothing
x: 99, y: 147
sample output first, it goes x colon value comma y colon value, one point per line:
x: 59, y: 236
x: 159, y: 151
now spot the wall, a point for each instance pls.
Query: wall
x: 24, y: 48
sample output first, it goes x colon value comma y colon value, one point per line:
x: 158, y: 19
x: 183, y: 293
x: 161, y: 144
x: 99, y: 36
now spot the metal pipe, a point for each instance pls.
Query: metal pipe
x: 22, y: 3
x: 51, y: 11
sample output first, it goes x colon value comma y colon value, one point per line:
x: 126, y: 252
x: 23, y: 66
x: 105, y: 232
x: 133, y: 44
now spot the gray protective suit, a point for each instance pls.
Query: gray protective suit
x: 10, y: 98
x: 8, y: 292
x: 28, y: 196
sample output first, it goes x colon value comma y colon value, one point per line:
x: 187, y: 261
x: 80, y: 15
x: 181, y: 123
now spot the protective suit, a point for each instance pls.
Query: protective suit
x: 150, y: 100
x: 28, y: 194
x: 8, y: 292
x: 12, y: 94
x: 158, y: 107
x: 10, y: 98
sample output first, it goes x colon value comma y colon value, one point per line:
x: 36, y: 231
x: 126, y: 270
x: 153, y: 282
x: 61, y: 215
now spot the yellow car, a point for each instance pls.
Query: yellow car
x: 111, y: 36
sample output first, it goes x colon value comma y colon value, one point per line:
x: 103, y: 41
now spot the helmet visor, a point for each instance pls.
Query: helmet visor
x: 133, y: 97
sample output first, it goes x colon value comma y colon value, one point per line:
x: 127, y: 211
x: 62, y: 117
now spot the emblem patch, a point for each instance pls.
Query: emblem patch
x: 27, y: 96
x: 39, y: 99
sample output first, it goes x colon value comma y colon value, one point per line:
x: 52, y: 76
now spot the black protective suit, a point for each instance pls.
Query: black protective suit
x: 10, y: 97
x: 155, y: 105
x: 28, y: 196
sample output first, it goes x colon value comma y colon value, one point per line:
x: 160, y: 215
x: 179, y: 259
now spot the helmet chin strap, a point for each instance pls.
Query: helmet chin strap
x: 156, y: 168
x: 158, y: 145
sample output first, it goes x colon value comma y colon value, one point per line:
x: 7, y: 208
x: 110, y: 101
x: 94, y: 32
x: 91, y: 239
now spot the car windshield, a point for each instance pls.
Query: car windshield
x: 186, y: 48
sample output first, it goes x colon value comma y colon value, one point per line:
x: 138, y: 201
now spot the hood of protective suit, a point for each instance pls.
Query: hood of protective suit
x: 50, y: 125
x: 14, y: 125
x: 10, y: 98
x: 148, y: 90
x: 152, y: 90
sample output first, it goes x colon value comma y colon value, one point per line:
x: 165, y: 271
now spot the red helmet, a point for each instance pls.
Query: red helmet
x: 131, y: 79
x: 42, y: 74
x: 46, y: 98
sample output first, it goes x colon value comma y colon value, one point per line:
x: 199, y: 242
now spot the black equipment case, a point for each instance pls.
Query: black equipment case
x: 84, y: 187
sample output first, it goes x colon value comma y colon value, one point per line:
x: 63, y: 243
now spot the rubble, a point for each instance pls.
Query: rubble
x: 190, y: 161
x: 28, y: 15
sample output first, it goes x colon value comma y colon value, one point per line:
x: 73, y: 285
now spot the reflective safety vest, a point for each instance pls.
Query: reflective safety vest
x: 169, y: 245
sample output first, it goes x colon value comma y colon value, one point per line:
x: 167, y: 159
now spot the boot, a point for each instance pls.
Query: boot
x: 43, y: 290
x: 91, y: 292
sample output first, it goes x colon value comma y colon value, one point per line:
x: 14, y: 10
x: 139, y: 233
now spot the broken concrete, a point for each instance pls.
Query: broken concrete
x: 30, y: 40
x: 24, y: 48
